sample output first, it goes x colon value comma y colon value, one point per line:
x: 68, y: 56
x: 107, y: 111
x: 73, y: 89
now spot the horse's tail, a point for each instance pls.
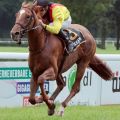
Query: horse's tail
x: 101, y: 68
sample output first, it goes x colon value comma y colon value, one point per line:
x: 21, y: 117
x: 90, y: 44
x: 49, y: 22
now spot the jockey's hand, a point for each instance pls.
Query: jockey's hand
x: 41, y: 22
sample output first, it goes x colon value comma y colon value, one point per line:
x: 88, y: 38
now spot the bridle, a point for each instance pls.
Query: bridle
x: 25, y: 28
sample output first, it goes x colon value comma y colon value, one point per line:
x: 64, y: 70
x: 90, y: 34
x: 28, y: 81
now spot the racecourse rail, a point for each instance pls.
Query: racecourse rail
x: 24, y: 56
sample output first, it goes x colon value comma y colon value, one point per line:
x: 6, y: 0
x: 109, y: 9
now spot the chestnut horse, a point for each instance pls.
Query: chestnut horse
x: 47, y: 60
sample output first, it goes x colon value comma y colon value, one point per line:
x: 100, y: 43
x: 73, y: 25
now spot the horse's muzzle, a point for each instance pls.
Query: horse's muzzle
x: 16, y: 36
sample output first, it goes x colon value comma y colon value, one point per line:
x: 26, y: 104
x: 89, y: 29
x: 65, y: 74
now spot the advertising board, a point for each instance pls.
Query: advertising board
x: 15, y: 85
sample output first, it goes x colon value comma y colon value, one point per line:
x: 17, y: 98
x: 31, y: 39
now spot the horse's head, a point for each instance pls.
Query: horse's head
x: 26, y: 20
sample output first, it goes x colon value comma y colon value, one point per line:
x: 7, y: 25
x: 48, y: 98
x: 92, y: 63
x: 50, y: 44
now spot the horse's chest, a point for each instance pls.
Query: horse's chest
x: 39, y: 64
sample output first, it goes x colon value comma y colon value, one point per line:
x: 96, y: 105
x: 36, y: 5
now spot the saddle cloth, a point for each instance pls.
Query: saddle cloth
x: 74, y: 36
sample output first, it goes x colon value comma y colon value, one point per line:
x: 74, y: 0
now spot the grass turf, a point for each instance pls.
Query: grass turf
x: 71, y: 113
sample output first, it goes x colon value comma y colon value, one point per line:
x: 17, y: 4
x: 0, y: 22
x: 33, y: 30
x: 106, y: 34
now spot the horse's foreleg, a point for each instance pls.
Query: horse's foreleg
x: 60, y: 86
x: 47, y: 75
x: 33, y: 89
x: 81, y: 66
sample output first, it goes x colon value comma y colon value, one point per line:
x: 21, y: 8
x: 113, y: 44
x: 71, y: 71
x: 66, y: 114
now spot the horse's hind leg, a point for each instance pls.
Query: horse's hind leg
x: 33, y: 89
x: 81, y: 66
x: 60, y: 86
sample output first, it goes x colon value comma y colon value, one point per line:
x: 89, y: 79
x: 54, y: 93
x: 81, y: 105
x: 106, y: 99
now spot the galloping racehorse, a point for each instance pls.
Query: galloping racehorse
x: 47, y: 60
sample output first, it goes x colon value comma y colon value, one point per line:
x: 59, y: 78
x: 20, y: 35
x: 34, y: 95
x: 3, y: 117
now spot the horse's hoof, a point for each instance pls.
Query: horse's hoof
x: 32, y: 101
x: 51, y: 110
x: 61, y: 111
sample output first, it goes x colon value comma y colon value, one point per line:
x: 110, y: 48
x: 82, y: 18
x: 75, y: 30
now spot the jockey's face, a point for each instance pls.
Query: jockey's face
x: 43, y: 10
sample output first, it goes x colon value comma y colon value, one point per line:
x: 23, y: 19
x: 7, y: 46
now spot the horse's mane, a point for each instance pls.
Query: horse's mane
x: 27, y: 4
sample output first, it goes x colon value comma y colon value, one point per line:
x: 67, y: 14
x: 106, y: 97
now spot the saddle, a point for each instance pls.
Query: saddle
x: 72, y: 38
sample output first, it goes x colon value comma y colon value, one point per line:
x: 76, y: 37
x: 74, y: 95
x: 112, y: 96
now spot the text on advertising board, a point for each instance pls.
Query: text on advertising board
x: 15, y: 73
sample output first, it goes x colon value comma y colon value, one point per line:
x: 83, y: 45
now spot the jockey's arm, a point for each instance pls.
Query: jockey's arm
x: 58, y: 19
x: 55, y: 27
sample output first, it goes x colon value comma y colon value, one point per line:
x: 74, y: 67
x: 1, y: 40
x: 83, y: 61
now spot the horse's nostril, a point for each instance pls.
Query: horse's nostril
x: 17, y: 33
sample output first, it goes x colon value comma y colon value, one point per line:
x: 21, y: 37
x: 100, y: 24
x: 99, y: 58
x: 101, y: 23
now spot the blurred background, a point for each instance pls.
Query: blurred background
x: 101, y: 17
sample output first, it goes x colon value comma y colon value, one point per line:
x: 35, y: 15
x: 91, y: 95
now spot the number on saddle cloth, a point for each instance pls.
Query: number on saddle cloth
x: 73, y: 36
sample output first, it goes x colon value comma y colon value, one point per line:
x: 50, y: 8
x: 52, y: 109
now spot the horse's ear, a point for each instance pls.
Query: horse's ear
x: 34, y: 2
x: 24, y: 3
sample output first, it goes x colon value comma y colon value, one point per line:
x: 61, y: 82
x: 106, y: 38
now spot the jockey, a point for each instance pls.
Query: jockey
x: 58, y: 17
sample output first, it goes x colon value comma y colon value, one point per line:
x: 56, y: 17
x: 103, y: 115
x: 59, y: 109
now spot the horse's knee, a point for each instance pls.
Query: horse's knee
x: 40, y: 80
x: 49, y: 74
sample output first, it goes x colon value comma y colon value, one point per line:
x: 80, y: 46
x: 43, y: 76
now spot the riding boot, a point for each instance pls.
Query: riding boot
x: 66, y: 38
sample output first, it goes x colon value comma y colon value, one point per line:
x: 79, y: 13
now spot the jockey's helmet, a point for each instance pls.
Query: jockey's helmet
x: 43, y: 3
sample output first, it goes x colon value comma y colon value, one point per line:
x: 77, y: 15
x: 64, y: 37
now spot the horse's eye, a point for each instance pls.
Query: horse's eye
x: 28, y: 17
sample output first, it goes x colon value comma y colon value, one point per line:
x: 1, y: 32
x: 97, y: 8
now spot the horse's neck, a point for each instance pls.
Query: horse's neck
x: 36, y: 40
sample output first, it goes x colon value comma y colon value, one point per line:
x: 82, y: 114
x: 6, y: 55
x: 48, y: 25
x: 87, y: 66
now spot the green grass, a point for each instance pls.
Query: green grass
x: 110, y: 49
x: 71, y: 113
x: 13, y: 49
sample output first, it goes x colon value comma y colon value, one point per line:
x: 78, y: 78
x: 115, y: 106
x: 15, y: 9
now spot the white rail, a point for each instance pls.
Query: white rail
x: 24, y: 56
x: 13, y: 55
